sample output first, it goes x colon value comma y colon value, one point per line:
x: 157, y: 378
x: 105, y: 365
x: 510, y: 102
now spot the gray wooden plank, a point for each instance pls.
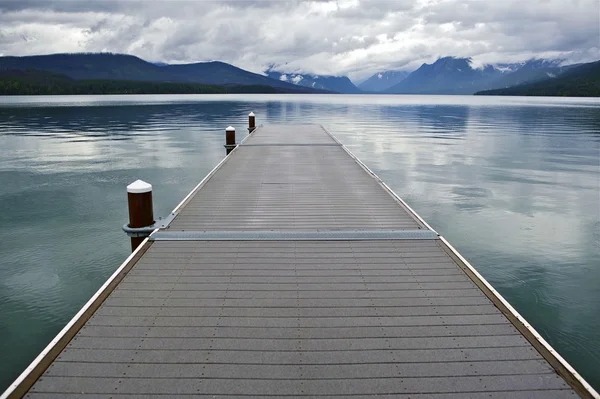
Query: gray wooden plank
x: 152, y: 299
x: 339, y: 279
x: 351, y: 287
x: 270, y: 273
x: 538, y: 394
x: 306, y: 294
x: 295, y: 311
x: 148, y: 343
x: 246, y: 265
x: 295, y: 322
x: 359, y: 371
x: 301, y: 262
x: 431, y: 385
x: 374, y: 331
x: 298, y: 356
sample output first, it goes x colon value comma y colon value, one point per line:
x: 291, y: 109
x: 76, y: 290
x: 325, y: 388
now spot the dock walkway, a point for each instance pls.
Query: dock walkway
x: 293, y: 271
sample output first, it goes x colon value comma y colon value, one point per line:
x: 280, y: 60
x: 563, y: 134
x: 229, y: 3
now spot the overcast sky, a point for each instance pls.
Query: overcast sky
x: 350, y: 37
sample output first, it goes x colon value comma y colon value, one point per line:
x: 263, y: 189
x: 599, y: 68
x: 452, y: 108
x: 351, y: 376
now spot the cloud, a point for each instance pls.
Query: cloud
x: 355, y: 37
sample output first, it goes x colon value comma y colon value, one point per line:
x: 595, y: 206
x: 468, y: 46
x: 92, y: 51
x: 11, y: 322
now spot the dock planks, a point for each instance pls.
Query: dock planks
x: 293, y: 272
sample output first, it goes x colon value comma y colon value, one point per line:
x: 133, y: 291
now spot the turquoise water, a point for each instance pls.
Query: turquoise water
x: 513, y: 183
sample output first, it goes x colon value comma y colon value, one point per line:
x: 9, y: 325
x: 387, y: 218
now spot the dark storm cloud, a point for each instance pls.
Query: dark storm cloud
x: 342, y: 37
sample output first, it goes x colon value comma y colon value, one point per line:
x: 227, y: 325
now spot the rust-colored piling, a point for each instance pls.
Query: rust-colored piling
x: 229, y: 139
x: 251, y: 122
x: 139, y: 199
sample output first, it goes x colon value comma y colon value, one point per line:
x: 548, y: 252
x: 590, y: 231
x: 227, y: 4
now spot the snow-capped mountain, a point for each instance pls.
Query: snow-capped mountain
x: 338, y: 84
x: 531, y: 71
x: 451, y: 75
x: 383, y: 80
x: 448, y: 75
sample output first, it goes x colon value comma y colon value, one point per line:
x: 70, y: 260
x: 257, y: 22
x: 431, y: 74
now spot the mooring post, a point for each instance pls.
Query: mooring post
x: 230, y: 139
x: 139, y: 200
x: 251, y: 122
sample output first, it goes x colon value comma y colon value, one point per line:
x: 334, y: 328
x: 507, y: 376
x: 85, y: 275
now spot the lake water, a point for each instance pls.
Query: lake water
x: 513, y: 183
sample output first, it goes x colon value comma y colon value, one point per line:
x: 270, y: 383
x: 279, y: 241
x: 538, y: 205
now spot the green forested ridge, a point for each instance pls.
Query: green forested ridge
x: 107, y: 66
x: 581, y: 81
x: 36, y: 82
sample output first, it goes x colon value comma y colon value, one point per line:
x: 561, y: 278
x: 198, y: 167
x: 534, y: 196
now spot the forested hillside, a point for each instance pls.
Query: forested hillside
x: 35, y: 82
x: 580, y: 81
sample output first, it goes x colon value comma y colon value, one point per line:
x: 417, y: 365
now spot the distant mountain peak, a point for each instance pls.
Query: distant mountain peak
x: 455, y: 75
x: 383, y: 80
x: 340, y: 84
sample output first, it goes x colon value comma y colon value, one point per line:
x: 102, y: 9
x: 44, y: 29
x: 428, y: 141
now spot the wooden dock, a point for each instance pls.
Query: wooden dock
x: 293, y: 271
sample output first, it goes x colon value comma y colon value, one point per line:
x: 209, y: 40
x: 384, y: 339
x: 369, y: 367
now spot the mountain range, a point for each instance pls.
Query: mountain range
x: 107, y: 66
x: 447, y: 75
x: 451, y: 75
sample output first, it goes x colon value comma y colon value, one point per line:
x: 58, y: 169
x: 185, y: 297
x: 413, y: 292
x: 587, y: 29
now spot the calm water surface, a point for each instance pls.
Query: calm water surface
x: 513, y: 183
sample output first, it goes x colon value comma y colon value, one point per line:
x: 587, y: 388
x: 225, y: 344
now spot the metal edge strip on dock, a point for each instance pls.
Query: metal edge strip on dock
x: 315, y: 235
x: 560, y: 365
x: 39, y: 365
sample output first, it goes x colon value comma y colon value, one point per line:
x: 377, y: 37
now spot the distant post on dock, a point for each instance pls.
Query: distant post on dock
x: 141, y: 214
x: 251, y: 122
x: 230, y: 139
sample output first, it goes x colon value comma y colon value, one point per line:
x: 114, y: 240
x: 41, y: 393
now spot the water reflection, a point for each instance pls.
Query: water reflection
x: 513, y: 183
x: 128, y: 121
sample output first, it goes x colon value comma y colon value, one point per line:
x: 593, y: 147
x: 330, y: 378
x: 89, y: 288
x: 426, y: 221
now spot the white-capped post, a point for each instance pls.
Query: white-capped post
x: 251, y: 122
x: 139, y: 199
x: 229, y: 139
